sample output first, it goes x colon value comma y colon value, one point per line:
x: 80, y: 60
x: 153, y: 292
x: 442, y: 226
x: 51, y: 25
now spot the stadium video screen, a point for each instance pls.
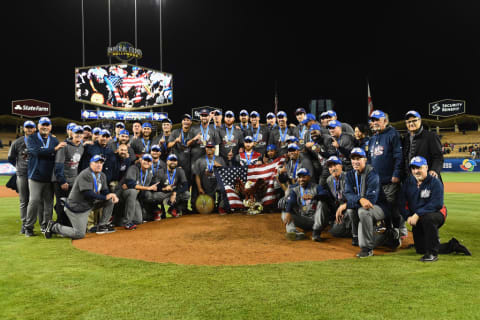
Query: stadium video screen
x: 123, y: 87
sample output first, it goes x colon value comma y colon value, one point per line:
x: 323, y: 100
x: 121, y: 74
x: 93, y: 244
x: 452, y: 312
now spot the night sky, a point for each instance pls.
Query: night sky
x: 229, y: 54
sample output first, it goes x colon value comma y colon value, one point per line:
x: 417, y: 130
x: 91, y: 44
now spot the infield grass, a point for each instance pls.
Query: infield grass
x: 50, y: 279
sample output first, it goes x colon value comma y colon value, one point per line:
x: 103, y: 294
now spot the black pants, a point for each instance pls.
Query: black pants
x: 60, y: 196
x: 425, y: 233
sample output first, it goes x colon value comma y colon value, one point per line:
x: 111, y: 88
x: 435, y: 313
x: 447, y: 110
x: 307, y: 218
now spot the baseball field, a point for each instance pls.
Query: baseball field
x: 53, y: 279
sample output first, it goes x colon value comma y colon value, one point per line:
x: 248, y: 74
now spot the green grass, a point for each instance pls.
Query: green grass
x: 50, y: 279
x: 461, y: 176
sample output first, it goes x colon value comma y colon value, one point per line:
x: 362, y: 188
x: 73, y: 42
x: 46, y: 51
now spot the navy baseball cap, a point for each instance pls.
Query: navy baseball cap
x: 293, y: 147
x: 204, y: 112
x: 324, y: 115
x: 271, y: 147
x: 210, y: 144
x: 315, y: 126
x: 105, y: 132
x: 303, y: 172
x: 87, y: 128
x: 167, y: 120
x: 331, y: 113
x: 124, y: 132
x: 300, y: 110
x: 156, y: 147
x: 29, y: 124
x: 309, y: 117
x: 120, y: 125
x: 377, y: 114
x: 147, y: 157
x: 333, y: 124
x: 77, y: 129
x: 229, y: 113
x: 186, y: 115
x: 412, y: 113
x: 243, y: 112
x: 44, y: 120
x: 418, y: 161
x: 96, y: 130
x: 334, y: 159
x: 291, y: 139
x: 281, y: 114
x: 248, y: 138
x: 270, y: 115
x: 71, y: 125
x: 358, y: 152
x: 254, y: 114
x: 172, y: 157
x: 147, y: 125
x: 96, y: 158
x: 218, y: 112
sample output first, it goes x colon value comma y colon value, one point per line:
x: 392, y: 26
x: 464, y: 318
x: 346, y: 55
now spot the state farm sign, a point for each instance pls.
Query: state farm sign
x: 30, y: 108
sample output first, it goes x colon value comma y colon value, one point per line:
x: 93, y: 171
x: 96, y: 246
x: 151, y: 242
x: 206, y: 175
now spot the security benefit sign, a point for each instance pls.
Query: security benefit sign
x: 30, y: 108
x: 446, y: 108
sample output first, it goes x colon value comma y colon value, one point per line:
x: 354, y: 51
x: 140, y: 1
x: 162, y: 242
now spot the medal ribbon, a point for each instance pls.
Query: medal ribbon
x: 143, y: 180
x: 210, y: 165
x: 229, y: 134
x: 172, y: 179
x: 95, y: 184
x: 204, y: 133
x: 356, y: 182
x: 147, y: 147
x: 282, y: 135
x: 249, y: 159
x: 45, y: 144
x: 255, y: 137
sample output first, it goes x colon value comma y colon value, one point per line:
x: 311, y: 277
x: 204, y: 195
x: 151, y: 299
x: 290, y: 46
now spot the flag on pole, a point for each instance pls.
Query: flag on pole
x: 275, y: 102
x: 227, y: 176
x: 370, y: 103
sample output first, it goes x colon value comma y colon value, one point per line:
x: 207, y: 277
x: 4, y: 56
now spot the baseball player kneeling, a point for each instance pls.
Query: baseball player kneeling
x: 89, y: 192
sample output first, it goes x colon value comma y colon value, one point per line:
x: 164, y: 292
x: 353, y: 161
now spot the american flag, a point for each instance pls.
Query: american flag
x: 226, y: 177
x: 370, y: 102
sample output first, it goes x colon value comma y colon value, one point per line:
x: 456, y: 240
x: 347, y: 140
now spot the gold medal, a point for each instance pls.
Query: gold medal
x: 305, y: 208
x: 302, y: 141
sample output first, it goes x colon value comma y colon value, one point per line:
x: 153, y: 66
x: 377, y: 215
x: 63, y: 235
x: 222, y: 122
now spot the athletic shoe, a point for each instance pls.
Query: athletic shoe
x: 355, y: 241
x: 104, y: 229
x: 29, y: 233
x: 92, y: 229
x: 48, y: 230
x: 42, y: 230
x: 130, y: 226
x: 221, y: 211
x: 365, y: 253
x: 294, y: 236
x: 157, y: 215
x: 173, y: 212
x: 22, y: 230
x: 458, y: 248
x: 429, y: 258
x: 316, y: 235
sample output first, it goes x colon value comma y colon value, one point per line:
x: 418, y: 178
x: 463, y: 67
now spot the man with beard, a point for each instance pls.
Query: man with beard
x: 271, y: 121
x: 163, y: 140
x: 302, y: 208
x: 67, y: 160
x: 136, y: 182
x: 89, y: 192
x: 41, y: 148
x: 243, y: 125
x: 366, y: 198
x: 317, y: 152
x: 231, y: 139
x: 331, y: 115
x: 279, y: 135
x: 136, y: 130
x: 121, y: 164
x: 217, y: 120
x: 172, y: 189
x: 119, y: 126
x: 202, y: 134
x: 143, y: 144
x: 87, y: 133
x: 100, y: 147
x: 248, y: 156
x: 123, y: 138
x: 95, y: 134
x: 258, y: 133
x: 179, y: 142
x: 295, y: 161
x: 339, y: 144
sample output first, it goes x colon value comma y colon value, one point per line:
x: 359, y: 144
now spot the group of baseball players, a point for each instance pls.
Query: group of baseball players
x: 364, y: 182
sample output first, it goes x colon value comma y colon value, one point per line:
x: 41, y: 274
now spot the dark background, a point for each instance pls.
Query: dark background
x: 230, y: 53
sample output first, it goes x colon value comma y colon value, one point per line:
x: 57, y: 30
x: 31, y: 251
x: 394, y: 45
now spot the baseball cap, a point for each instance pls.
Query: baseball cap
x: 315, y: 126
x: 229, y: 113
x: 147, y: 125
x: 324, y: 115
x: 96, y: 158
x: 270, y: 115
x: 186, y: 115
x: 172, y: 157
x: 300, y: 110
x: 243, y: 112
x: 248, y: 138
x: 218, y: 112
x: 333, y: 124
x: 309, y: 117
x: 96, y: 130
x: 71, y: 125
x: 87, y: 128
x: 105, y: 132
x: 281, y: 114
x: 292, y: 146
x: 271, y: 147
x: 147, y: 157
x: 412, y: 113
x: 29, y: 123
x: 210, y: 144
x: 203, y: 112
x: 291, y: 139
x: 44, y: 120
x: 418, y: 161
x: 359, y: 152
x: 156, y: 147
x: 120, y: 124
x: 303, y: 172
x: 254, y: 114
x: 125, y: 132
x: 77, y: 129
x: 167, y: 120
x: 334, y: 159
x: 377, y: 114
x: 331, y: 113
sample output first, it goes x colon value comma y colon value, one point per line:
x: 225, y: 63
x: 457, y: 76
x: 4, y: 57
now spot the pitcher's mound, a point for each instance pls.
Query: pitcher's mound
x: 234, y: 239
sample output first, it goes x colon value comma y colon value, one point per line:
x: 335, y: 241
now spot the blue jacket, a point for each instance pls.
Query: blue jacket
x: 385, y: 154
x: 106, y: 152
x: 421, y: 200
x: 41, y: 159
x: 370, y: 189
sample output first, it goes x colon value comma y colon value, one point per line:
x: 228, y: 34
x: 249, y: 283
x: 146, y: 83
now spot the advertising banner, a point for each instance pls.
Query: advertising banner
x: 446, y: 108
x: 461, y: 165
x: 122, y: 115
x: 31, y: 108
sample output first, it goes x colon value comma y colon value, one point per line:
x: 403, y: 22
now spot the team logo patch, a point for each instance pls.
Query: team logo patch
x: 377, y: 151
x: 425, y: 194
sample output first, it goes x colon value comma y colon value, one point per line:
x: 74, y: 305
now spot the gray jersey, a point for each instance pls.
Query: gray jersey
x: 157, y: 168
x: 138, y: 176
x: 337, y: 188
x: 176, y: 178
x: 260, y: 137
x: 306, y: 207
x: 77, y: 202
x: 141, y: 145
x: 279, y: 138
x: 198, y: 147
x: 19, y: 156
x: 294, y: 165
x: 114, y: 145
x: 207, y: 177
x: 180, y: 149
x: 67, y: 158
x: 231, y: 141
